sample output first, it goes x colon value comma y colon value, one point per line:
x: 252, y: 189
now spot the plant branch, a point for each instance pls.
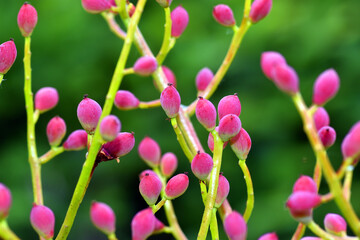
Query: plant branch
x: 214, y: 225
x: 166, y: 45
x: 181, y: 140
x: 250, y: 190
x: 53, y: 152
x: 114, y: 27
x: 5, y: 231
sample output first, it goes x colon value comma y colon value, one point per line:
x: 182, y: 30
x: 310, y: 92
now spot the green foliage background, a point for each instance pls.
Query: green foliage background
x: 75, y: 52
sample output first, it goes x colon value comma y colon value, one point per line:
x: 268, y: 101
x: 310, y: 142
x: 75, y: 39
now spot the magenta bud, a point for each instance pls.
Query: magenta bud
x: 170, y: 101
x: 229, y: 126
x: 55, y: 131
x: 176, y: 186
x: 158, y: 225
x: 351, y: 144
x: 7, y: 56
x: 148, y: 172
x: 335, y: 224
x: 180, y: 20
x: 229, y: 105
x: 321, y: 118
x: 77, y: 140
x: 46, y: 98
x: 269, y: 236
x: 121, y: 145
x: 125, y: 100
x: 150, y: 188
x: 145, y: 66
x: 96, y: 6
x: 210, y: 141
x: 305, y: 184
x: 203, y: 78
x: 103, y: 217
x: 327, y: 136
x: 164, y: 3
x: 202, y: 165
x: 149, y: 151
x: 224, y: 15
x: 222, y: 191
x: 241, y: 144
x: 206, y: 113
x: 27, y: 19
x: 170, y: 76
x: 301, y: 203
x: 88, y: 113
x: 235, y: 226
x: 110, y: 127
x: 168, y: 164
x: 43, y: 221
x: 143, y: 224
x: 269, y: 60
x: 286, y: 79
x: 5, y: 201
x: 326, y: 86
x: 259, y: 10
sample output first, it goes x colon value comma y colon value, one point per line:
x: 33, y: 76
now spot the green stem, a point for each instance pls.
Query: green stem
x: 203, y: 191
x: 320, y: 232
x: 250, y: 190
x: 53, y: 152
x: 213, y: 185
x: 343, y: 168
x: 159, y: 205
x: 347, y: 183
x: 181, y: 140
x: 128, y: 71
x: 5, y: 231
x: 165, y: 47
x: 300, y: 230
x: 112, y: 237
x: 150, y: 104
x: 114, y: 27
x: 1, y: 78
x: 214, y: 225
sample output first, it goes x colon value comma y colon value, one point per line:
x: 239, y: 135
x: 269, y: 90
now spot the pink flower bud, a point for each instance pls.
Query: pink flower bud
x: 5, y: 201
x: 229, y: 105
x: 145, y: 66
x: 259, y: 10
x: 125, y: 100
x: 103, y: 217
x: 301, y: 203
x: 27, y: 19
x: 149, y: 151
x: 164, y: 3
x: 43, y: 221
x: 335, y: 224
x: 203, y: 78
x: 88, y: 113
x: 158, y: 225
x: 269, y: 61
x: 327, y: 136
x: 143, y: 224
x: 168, y: 164
x: 222, y: 191
x: 286, y: 79
x: 202, y: 165
x: 269, y: 236
x: 241, y: 144
x: 7, y: 56
x: 77, y: 140
x: 210, y: 141
x: 120, y: 146
x: 96, y: 6
x: 180, y: 20
x: 235, y: 226
x: 305, y: 184
x: 321, y: 118
x: 206, y: 113
x: 148, y: 172
x: 170, y: 76
x: 55, y: 131
x: 110, y: 127
x: 224, y: 15
x: 176, y: 186
x: 229, y: 126
x: 351, y: 143
x: 46, y: 98
x: 170, y: 101
x: 150, y: 187
x: 326, y: 86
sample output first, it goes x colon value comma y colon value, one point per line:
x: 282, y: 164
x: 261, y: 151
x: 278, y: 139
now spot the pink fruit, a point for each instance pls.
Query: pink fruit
x: 110, y: 127
x: 206, y: 113
x: 5, y: 201
x: 229, y: 126
x: 96, y: 6
x: 176, y: 186
x: 201, y: 165
x: 327, y: 136
x: 269, y: 236
x: 149, y: 151
x: 301, y: 203
x: 222, y: 191
x: 259, y: 10
x: 180, y: 20
x: 305, y: 184
x: 286, y: 79
x: 168, y: 164
x: 148, y: 172
x: 103, y: 217
x: 7, y: 56
x: 27, y: 19
x: 121, y: 145
x: 224, y: 15
x: 88, y: 113
x: 43, y: 221
x: 125, y: 100
x: 145, y: 66
x: 150, y: 187
x: 235, y: 226
x: 321, y: 118
x: 203, y: 78
x: 241, y: 144
x: 170, y: 101
x: 77, y: 140
x: 143, y: 224
x: 55, y: 131
x: 326, y: 86
x: 170, y: 76
x: 229, y: 105
x: 351, y: 144
x: 46, y: 98
x: 335, y: 224
x: 269, y: 60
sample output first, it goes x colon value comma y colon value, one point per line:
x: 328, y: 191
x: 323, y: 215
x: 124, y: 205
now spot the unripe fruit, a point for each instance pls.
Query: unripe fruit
x: 205, y: 113
x: 210, y: 141
x: 46, y: 98
x: 77, y: 140
x: 120, y: 146
x: 110, y: 127
x: 269, y: 61
x: 170, y: 76
x: 176, y: 186
x: 103, y: 217
x: 335, y: 224
x: 351, y: 143
x: 286, y: 79
x: 259, y: 10
x: 235, y: 226
x: 5, y: 201
x: 55, y: 131
x: 170, y: 101
x: 305, y: 184
x: 229, y: 126
x: 143, y: 224
x: 326, y: 86
x: 269, y: 236
x: 321, y: 118
x: 203, y: 78
x: 96, y: 6
x: 229, y: 105
x: 88, y: 113
x: 224, y: 15
x: 327, y: 136
x: 145, y: 66
x: 222, y: 191
x: 201, y: 165
x: 150, y: 188
x: 149, y: 151
x: 7, y: 56
x: 301, y: 203
x: 241, y: 144
x: 125, y: 100
x: 180, y: 20
x: 148, y: 172
x: 168, y: 164
x: 43, y: 221
x: 164, y: 3
x: 27, y: 19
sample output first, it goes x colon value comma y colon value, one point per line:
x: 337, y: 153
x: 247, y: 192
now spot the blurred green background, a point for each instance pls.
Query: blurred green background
x: 75, y: 52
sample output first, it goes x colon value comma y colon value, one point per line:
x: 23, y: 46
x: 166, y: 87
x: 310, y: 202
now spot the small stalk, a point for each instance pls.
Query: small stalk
x: 159, y: 205
x: 320, y: 232
x: 249, y: 188
x: 5, y: 231
x: 203, y: 191
x: 53, y: 152
x: 150, y: 104
x: 166, y: 44
x: 114, y: 27
x: 300, y: 230
x: 181, y: 140
x: 112, y: 237
x: 1, y: 78
x: 214, y: 225
x: 128, y: 71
